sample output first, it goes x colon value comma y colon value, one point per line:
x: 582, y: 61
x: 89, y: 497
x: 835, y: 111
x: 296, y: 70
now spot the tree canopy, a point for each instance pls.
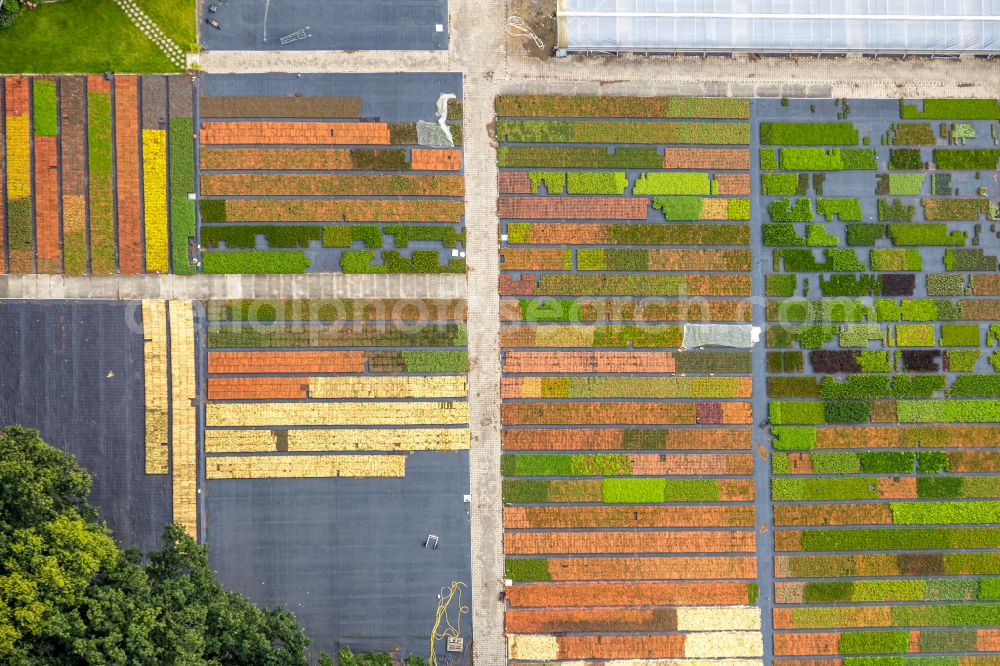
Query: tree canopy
x: 70, y: 596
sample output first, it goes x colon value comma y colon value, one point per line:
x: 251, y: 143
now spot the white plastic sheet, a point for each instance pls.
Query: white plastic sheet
x: 738, y: 336
x: 810, y: 26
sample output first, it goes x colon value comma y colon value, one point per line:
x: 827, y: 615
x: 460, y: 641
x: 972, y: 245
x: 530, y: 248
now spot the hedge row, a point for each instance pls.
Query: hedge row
x: 589, y: 158
x: 678, y: 183
x: 182, y: 209
x: 931, y: 589
x: 279, y: 236
x: 784, y: 184
x: 846, y: 210
x: 45, y: 109
x: 896, y: 538
x: 254, y: 262
x: 942, y: 615
x: 584, y: 106
x: 550, y: 464
x: 422, y: 261
x: 869, y: 488
x: 951, y: 109
x: 592, y: 131
x: 803, y: 261
x: 363, y: 335
x: 808, y: 134
x: 822, y: 159
x: 966, y: 159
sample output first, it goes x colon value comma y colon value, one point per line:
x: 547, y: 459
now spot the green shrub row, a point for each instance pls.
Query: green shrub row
x: 782, y: 210
x: 958, y: 209
x: 882, y: 386
x: 849, y: 285
x: 555, y: 181
x: 784, y: 184
x: 962, y: 360
x: 554, y: 464
x: 596, y: 182
x: 254, y: 262
x: 682, y: 208
x: 808, y: 134
x: 895, y: 211
x: 902, y: 184
x: 277, y: 236
x: 344, y: 236
x: 778, y: 284
x: 960, y: 335
x: 584, y: 158
x: 768, y: 159
x: 943, y: 284
x: 945, y: 513
x: 422, y: 261
x: 404, y: 233
x: 654, y: 234
x: 586, y: 106
x: 864, y: 234
x: 635, y: 132
x: 656, y: 490
x: 838, y: 260
x: 819, y: 310
x: 902, y: 538
x: 978, y: 386
x: 873, y: 642
x: 905, y: 159
x: 527, y: 569
x: 792, y: 361
x: 805, y: 413
x: 951, y: 109
x: 833, y: 159
x: 691, y: 183
x: 925, y: 234
x: 100, y: 181
x: 862, y: 488
x: 958, y: 159
x: 948, y: 411
x: 782, y: 235
x: 690, y: 362
x: 968, y: 260
x: 846, y: 210
x: 45, y: 109
x: 436, y: 361
x: 356, y: 335
x: 896, y: 259
x: 913, y: 134
x: 182, y: 212
x: 793, y: 438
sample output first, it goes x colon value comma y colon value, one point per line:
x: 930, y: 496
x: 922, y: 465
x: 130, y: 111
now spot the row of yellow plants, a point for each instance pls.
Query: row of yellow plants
x: 154, y: 174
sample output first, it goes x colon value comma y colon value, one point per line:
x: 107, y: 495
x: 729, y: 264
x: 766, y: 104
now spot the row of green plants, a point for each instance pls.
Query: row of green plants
x: 808, y: 134
x: 579, y: 157
x: 626, y: 131
x: 100, y: 165
x: 650, y: 234
x: 863, y: 487
x: 421, y: 261
x: 45, y: 108
x: 367, y: 335
x: 586, y: 106
x: 182, y: 209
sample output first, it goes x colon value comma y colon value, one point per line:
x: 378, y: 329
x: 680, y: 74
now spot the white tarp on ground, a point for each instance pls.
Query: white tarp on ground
x: 741, y: 336
x: 911, y: 26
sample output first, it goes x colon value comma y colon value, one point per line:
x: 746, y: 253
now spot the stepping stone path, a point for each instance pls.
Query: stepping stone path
x: 152, y: 31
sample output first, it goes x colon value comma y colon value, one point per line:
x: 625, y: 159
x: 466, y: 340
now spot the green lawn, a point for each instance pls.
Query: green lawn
x: 93, y: 36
